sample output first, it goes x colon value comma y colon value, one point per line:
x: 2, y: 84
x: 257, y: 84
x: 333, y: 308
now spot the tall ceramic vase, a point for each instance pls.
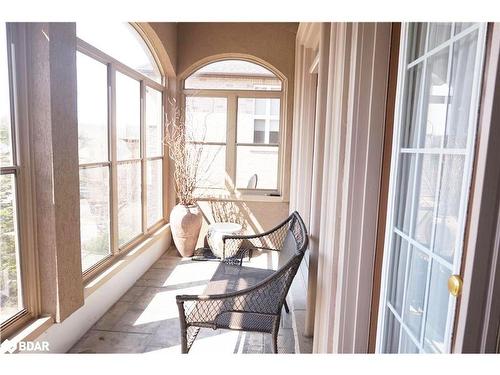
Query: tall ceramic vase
x: 185, y: 223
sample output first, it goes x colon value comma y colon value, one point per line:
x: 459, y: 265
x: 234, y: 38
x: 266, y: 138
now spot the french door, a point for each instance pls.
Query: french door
x: 440, y: 67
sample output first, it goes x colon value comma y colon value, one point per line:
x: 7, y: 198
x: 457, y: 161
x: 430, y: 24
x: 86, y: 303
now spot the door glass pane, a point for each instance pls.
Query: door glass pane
x: 128, y: 117
x: 392, y: 329
x: 417, y: 33
x: 447, y: 223
x: 94, y: 215
x: 397, y: 269
x: 437, y: 309
x: 92, y: 109
x: 154, y: 114
x: 11, y: 301
x: 259, y: 161
x: 461, y: 26
x: 426, y: 185
x: 462, y: 72
x: 155, y: 183
x: 129, y: 202
x: 5, y: 120
x: 212, y: 167
x: 409, y: 117
x: 415, y: 291
x: 406, y: 187
x: 439, y: 32
x: 407, y: 344
x: 206, y: 119
x: 434, y: 116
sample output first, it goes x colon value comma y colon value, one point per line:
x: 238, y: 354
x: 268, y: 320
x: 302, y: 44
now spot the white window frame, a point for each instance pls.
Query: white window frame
x: 397, y: 151
x: 148, y: 229
x: 232, y: 192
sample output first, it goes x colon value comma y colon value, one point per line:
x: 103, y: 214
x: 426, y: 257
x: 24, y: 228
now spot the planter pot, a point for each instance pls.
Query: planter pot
x: 185, y: 224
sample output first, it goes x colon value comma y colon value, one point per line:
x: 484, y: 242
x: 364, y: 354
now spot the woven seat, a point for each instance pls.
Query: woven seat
x: 246, y: 298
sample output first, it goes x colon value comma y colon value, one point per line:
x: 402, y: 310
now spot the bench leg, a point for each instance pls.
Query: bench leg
x: 184, y: 348
x: 274, y: 333
x: 275, y: 342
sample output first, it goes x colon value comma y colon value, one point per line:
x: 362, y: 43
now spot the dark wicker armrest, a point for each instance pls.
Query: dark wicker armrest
x: 239, y: 246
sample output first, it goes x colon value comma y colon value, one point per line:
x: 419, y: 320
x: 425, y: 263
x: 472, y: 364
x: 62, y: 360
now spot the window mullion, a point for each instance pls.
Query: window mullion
x: 143, y: 159
x: 232, y: 109
x: 113, y: 155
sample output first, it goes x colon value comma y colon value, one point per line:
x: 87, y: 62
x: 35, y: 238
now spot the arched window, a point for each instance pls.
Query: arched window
x: 234, y: 109
x: 120, y: 134
x: 122, y: 42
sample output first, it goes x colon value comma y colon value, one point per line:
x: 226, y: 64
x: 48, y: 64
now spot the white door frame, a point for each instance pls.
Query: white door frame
x: 477, y: 329
x: 396, y: 152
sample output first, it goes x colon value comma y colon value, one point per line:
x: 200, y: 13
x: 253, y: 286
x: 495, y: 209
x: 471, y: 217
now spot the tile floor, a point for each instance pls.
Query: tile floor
x: 145, y: 319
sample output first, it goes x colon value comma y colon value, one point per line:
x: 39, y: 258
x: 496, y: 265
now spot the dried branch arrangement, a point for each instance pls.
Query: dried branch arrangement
x: 185, y: 150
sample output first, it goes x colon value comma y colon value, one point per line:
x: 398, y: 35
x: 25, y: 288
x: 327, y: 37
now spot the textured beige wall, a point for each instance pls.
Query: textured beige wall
x: 166, y: 32
x: 275, y: 44
x: 272, y: 42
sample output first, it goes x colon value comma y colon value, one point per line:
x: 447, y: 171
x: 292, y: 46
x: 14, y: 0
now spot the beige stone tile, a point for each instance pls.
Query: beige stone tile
x: 109, y: 319
x: 172, y: 253
x: 189, y: 272
x: 167, y: 334
x: 305, y: 344
x: 165, y: 263
x: 111, y: 342
x: 286, y: 341
x: 137, y: 320
x: 132, y: 294
x: 253, y: 339
x: 217, y: 342
x: 286, y: 320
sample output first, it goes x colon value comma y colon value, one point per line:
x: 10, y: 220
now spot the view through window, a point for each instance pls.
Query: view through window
x: 11, y: 301
x: 120, y: 124
x: 233, y: 108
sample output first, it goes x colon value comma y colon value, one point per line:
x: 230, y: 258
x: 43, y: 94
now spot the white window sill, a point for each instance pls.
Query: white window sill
x: 217, y: 196
x: 109, y: 272
x: 30, y: 331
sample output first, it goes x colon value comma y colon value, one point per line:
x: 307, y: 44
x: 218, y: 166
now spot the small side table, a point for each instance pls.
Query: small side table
x: 215, y: 234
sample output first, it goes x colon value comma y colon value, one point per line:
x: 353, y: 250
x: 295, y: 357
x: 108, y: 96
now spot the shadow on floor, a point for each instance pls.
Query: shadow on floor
x: 145, y: 319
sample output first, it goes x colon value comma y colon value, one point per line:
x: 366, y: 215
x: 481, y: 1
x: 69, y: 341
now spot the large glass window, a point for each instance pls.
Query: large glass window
x: 120, y: 131
x: 233, y: 75
x: 233, y: 110
x: 257, y: 146
x: 123, y: 43
x: 11, y: 301
x: 92, y: 96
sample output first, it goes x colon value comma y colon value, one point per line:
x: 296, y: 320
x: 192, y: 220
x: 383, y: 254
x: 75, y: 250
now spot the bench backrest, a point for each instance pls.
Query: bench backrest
x: 295, y: 241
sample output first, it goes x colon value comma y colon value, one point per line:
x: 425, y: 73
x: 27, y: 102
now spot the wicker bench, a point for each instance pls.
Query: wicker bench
x: 246, y: 298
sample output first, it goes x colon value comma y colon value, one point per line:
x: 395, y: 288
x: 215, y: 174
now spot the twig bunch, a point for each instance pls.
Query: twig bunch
x: 185, y: 150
